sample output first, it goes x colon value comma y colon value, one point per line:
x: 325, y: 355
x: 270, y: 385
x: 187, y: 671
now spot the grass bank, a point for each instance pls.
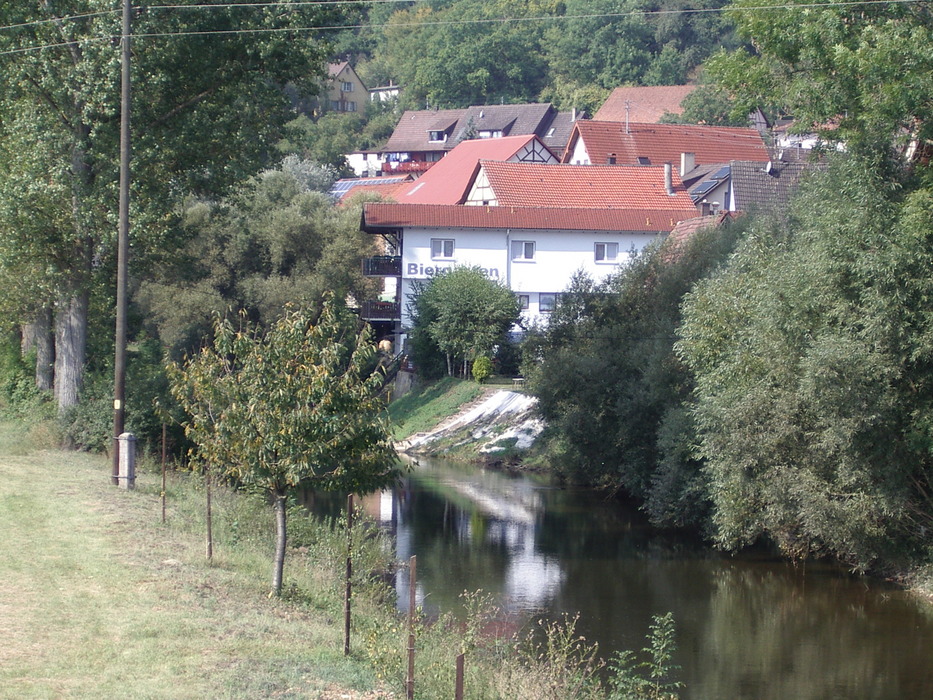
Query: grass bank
x: 422, y: 408
x: 100, y: 599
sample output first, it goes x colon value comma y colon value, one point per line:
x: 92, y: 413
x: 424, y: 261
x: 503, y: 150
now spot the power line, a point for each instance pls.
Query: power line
x: 435, y: 23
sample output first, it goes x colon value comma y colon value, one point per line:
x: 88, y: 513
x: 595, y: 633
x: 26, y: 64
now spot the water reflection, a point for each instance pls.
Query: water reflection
x: 748, y: 627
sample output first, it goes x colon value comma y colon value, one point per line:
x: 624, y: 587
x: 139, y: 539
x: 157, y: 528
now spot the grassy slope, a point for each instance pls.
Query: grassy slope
x: 99, y: 599
x: 423, y: 408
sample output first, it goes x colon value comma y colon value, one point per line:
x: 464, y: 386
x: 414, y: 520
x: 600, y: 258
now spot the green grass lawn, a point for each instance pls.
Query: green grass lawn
x: 99, y: 599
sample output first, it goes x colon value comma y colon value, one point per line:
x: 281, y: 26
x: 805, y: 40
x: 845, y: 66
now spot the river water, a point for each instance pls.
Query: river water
x: 748, y: 626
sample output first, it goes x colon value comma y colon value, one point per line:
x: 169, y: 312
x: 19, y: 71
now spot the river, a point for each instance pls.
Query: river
x: 748, y: 626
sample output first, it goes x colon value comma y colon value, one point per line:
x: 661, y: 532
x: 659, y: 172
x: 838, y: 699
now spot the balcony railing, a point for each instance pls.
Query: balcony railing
x: 381, y: 311
x: 382, y: 266
x: 407, y: 166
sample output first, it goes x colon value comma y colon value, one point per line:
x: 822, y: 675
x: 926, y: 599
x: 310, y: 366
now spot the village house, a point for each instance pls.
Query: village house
x: 345, y: 91
x: 529, y: 225
x: 422, y: 137
x: 686, y: 145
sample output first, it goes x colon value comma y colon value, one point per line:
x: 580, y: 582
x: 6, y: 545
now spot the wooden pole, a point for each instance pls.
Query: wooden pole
x: 349, y: 591
x: 163, y: 470
x: 412, y: 609
x: 123, y: 236
x: 210, y: 535
x: 458, y: 690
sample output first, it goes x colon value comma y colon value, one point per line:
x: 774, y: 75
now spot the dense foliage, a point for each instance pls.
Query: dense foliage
x: 278, y: 238
x: 610, y: 385
x: 460, y: 314
x: 206, y: 115
x: 813, y: 356
x: 295, y: 406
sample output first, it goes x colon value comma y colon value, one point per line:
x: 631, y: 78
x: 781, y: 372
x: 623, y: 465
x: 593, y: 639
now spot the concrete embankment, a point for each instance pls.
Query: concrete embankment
x: 496, y: 422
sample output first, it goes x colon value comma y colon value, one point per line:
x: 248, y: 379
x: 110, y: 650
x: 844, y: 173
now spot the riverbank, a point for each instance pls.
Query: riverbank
x: 497, y: 427
x: 467, y: 421
x: 100, y: 599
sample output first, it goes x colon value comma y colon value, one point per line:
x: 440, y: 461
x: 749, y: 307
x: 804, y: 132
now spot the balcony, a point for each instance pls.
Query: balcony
x: 382, y: 266
x: 381, y: 311
x: 407, y: 166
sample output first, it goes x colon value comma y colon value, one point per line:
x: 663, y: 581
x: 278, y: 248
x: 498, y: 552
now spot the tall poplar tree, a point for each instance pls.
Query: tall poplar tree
x: 208, y: 107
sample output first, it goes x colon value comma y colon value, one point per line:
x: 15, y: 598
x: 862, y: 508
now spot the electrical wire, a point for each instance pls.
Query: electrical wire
x: 436, y: 23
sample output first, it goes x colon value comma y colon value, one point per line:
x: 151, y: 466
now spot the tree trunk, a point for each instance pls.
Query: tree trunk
x: 38, y: 336
x: 279, y: 564
x: 70, y: 348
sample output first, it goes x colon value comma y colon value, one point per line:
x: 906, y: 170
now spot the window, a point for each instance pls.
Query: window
x: 523, y: 250
x: 346, y: 87
x: 442, y: 248
x: 351, y: 106
x: 607, y: 252
x: 523, y: 300
x: 546, y: 302
x: 437, y: 136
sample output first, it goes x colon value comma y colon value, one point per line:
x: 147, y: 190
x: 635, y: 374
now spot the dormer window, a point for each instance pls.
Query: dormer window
x: 490, y: 134
x: 437, y: 136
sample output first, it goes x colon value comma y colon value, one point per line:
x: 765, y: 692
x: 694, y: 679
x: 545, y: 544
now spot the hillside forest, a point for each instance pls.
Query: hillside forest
x: 767, y: 381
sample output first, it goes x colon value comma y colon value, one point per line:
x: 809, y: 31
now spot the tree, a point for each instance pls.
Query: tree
x: 207, y: 113
x: 467, y: 54
x: 611, y: 388
x: 813, y: 360
x: 860, y: 74
x: 276, y: 239
x: 464, y: 313
x: 295, y: 407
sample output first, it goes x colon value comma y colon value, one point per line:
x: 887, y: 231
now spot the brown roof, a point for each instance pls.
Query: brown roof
x: 645, y: 104
x: 448, y: 180
x: 411, y: 132
x: 686, y: 229
x: 377, y: 217
x: 585, y: 186
x: 536, y: 119
x: 654, y: 144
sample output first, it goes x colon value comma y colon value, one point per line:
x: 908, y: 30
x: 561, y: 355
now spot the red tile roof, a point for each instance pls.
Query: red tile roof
x: 645, y: 104
x: 585, y: 186
x: 378, y: 217
x: 663, y: 143
x: 448, y: 179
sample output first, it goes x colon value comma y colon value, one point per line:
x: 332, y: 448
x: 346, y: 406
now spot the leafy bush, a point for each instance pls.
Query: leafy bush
x: 482, y: 369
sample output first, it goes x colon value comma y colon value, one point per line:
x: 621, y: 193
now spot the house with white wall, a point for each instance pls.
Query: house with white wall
x: 529, y: 226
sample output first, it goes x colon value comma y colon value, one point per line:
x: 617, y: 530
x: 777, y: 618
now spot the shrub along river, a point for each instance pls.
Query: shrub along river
x: 748, y: 626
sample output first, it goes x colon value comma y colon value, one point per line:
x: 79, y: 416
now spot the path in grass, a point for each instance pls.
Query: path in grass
x: 98, y: 599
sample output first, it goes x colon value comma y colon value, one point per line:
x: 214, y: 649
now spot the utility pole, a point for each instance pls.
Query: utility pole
x: 123, y: 241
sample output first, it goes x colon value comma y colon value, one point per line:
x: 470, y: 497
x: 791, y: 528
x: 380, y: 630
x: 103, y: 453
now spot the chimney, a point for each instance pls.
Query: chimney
x: 687, y: 163
x: 669, y: 178
x: 573, y: 114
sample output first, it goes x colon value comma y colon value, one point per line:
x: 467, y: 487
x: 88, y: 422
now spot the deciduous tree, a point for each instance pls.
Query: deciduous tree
x: 207, y: 110
x: 296, y: 406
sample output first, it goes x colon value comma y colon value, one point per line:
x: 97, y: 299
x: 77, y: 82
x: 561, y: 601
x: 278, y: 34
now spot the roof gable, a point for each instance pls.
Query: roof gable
x: 448, y: 180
